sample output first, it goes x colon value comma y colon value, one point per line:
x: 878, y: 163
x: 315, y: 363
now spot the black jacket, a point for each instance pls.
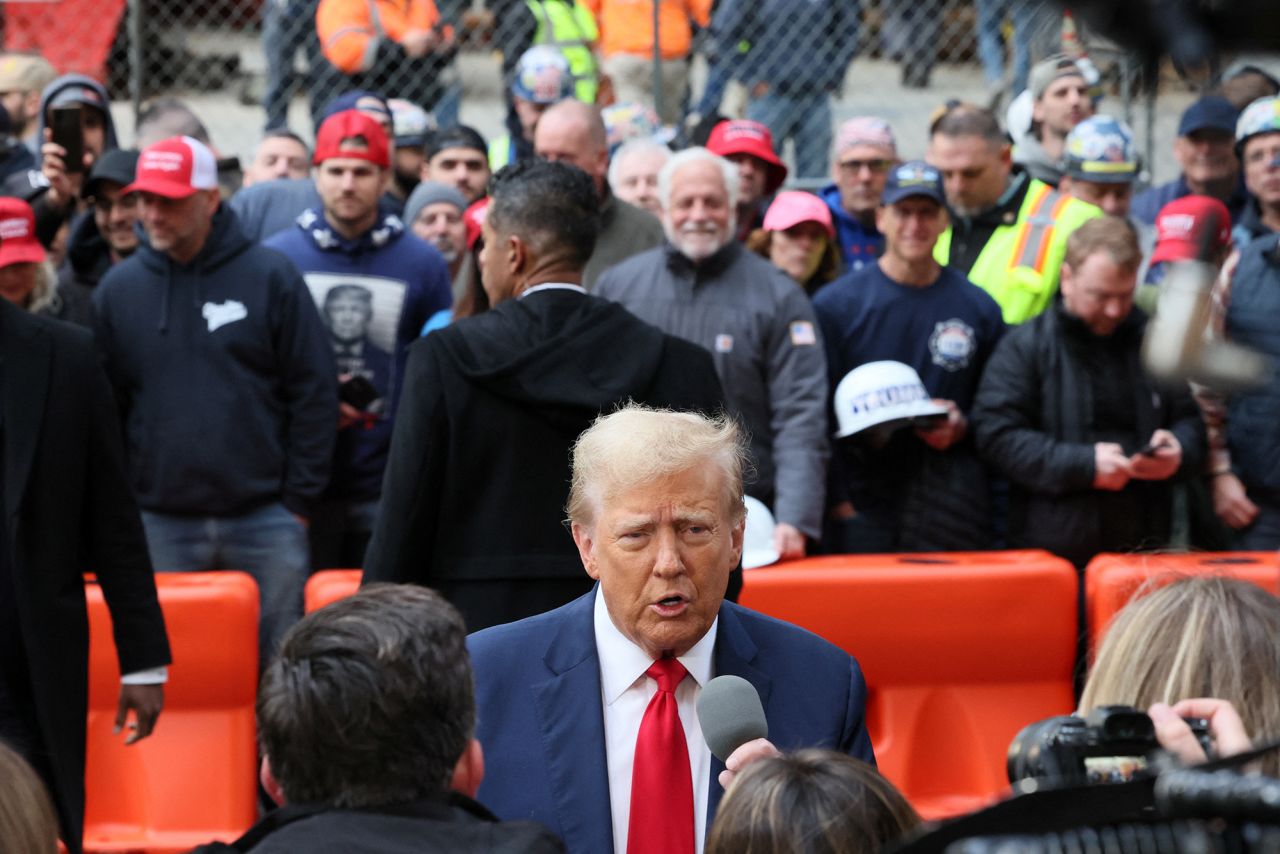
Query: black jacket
x: 69, y: 511
x: 479, y: 469
x: 225, y: 374
x: 460, y: 826
x: 1035, y: 421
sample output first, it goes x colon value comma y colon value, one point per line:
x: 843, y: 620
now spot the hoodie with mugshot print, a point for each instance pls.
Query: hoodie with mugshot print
x: 224, y: 375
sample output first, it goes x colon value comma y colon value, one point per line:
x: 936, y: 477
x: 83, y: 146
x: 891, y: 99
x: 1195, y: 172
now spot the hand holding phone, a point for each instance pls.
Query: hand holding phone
x: 64, y: 121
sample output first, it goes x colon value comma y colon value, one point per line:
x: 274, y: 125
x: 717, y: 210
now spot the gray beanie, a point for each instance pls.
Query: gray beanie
x: 429, y: 193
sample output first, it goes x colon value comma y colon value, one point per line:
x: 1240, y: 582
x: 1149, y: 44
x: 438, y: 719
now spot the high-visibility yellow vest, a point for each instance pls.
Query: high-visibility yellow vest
x: 1020, y: 264
x: 571, y: 29
x: 499, y: 152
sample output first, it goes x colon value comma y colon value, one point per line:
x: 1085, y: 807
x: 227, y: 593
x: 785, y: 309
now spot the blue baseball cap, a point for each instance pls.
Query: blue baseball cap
x: 1209, y: 113
x: 913, y: 178
x: 1100, y: 149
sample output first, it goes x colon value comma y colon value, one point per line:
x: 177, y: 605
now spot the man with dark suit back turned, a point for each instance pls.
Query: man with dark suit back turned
x: 586, y: 713
x: 479, y: 465
x: 67, y: 510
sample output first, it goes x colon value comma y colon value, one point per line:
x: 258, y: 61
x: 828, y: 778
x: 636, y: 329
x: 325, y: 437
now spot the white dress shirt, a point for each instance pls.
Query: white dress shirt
x: 626, y: 691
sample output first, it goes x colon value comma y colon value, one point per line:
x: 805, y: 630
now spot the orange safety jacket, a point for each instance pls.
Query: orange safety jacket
x: 351, y: 30
x: 626, y: 26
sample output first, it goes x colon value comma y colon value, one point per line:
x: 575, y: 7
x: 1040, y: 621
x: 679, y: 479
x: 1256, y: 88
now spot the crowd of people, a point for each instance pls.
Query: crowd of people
x: 391, y: 347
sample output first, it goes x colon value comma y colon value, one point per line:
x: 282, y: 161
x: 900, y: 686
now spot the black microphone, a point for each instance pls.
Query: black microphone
x: 730, y: 714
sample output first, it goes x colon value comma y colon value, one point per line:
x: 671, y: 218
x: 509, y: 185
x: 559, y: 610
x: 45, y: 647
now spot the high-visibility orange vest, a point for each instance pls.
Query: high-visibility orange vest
x: 350, y: 30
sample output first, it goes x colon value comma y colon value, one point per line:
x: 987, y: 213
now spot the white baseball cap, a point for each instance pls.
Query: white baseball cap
x: 757, y: 541
x: 881, y: 394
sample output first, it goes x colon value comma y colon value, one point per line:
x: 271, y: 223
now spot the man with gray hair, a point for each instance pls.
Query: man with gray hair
x: 588, y: 711
x: 478, y: 472
x: 633, y: 173
x: 760, y: 328
x: 366, y: 720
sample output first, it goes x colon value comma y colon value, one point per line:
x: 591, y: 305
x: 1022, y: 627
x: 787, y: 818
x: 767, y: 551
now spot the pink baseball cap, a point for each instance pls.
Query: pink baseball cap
x: 792, y: 207
x: 18, y: 243
x: 741, y: 136
x: 175, y: 168
x: 866, y: 130
x: 1179, y: 224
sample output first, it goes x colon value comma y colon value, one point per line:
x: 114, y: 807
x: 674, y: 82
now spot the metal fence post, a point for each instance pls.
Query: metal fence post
x: 657, y: 62
x: 135, y: 58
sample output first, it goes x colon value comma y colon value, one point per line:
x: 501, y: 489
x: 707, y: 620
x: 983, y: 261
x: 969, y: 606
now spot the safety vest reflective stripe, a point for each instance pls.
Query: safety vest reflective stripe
x: 1030, y: 205
x: 1037, y: 230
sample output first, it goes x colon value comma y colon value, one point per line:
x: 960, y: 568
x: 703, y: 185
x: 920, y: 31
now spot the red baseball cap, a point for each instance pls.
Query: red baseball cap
x: 741, y: 136
x: 175, y: 168
x: 347, y: 125
x: 1180, y: 222
x: 474, y: 217
x: 18, y: 243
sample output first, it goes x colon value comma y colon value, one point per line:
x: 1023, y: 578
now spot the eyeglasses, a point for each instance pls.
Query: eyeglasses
x: 876, y: 167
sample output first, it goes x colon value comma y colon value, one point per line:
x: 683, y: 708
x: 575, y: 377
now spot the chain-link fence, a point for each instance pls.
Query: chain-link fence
x: 801, y: 66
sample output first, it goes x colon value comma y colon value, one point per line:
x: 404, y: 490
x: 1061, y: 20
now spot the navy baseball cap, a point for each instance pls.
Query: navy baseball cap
x: 1209, y: 113
x: 913, y: 178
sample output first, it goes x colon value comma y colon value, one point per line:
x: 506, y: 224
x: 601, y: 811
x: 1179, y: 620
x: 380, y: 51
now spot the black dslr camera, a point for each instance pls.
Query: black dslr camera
x: 1111, y: 745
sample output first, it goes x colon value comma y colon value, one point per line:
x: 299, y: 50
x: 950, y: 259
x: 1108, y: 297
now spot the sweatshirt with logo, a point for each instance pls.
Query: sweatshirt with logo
x: 224, y: 375
x: 374, y: 293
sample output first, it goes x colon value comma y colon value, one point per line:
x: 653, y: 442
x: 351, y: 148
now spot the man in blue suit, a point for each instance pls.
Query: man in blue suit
x: 574, y: 704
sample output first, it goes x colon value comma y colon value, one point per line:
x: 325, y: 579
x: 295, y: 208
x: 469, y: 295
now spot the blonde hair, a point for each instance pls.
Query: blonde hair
x: 1196, y: 637
x: 813, y: 801
x: 27, y: 821
x: 637, y: 445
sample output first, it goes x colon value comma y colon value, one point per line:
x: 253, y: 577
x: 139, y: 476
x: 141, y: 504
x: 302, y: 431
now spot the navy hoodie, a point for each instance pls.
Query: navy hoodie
x: 405, y: 281
x: 225, y: 376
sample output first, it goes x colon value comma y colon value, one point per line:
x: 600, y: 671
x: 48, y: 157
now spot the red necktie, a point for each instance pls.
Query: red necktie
x: 661, y: 784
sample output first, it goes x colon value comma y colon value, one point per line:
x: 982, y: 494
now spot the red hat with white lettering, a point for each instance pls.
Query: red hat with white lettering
x: 742, y: 136
x: 1180, y: 222
x: 175, y: 168
x: 18, y: 243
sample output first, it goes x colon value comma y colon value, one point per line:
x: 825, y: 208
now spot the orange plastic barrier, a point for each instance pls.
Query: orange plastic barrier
x: 960, y: 651
x: 1112, y: 579
x: 193, y: 780
x: 330, y: 585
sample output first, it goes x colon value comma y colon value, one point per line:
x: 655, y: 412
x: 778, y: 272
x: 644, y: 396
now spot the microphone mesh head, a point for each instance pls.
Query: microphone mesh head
x: 730, y: 714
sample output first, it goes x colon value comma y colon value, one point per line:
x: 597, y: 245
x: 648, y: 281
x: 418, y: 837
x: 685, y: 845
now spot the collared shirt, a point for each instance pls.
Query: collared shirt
x: 626, y: 691
x: 553, y: 286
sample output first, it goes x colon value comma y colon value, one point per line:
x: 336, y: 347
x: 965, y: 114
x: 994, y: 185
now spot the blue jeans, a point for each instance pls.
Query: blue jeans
x: 268, y: 543
x: 286, y: 26
x: 1029, y: 17
x: 805, y: 117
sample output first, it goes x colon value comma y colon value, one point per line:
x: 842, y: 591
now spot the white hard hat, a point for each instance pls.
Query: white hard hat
x: 757, y: 542
x: 881, y: 393
x: 1017, y: 116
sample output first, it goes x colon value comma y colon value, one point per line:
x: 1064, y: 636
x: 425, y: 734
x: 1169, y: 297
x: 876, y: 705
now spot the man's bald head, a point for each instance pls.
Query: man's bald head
x: 573, y: 132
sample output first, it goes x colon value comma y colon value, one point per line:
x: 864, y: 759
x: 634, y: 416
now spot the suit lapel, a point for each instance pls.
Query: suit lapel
x: 25, y: 348
x: 734, y: 656
x: 571, y: 720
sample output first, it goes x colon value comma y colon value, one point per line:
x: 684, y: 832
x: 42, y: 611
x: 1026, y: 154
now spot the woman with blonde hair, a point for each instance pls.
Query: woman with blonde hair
x: 809, y: 802
x: 1195, y: 638
x: 27, y: 822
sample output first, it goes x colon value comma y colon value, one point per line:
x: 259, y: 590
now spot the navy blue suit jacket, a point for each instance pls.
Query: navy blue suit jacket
x: 542, y: 726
